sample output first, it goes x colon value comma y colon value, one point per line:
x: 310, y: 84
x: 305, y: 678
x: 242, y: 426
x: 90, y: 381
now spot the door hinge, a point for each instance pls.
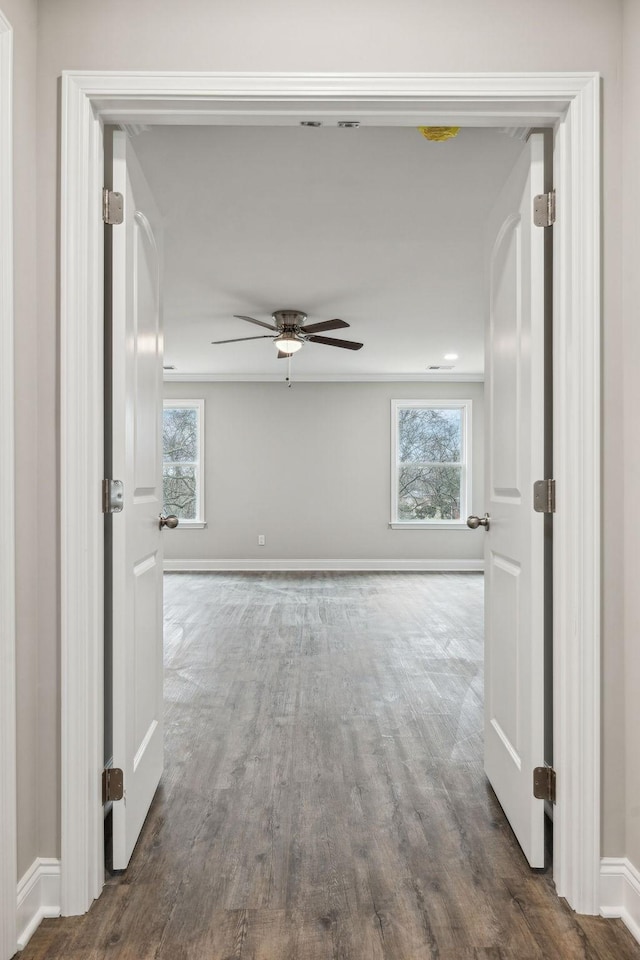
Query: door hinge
x: 112, y: 496
x: 544, y: 496
x: 112, y: 784
x: 112, y: 207
x: 544, y: 784
x: 544, y: 209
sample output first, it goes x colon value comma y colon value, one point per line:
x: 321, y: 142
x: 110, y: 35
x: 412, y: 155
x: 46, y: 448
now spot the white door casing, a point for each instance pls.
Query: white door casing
x: 514, y: 540
x: 568, y: 102
x: 8, y: 774
x: 137, y: 462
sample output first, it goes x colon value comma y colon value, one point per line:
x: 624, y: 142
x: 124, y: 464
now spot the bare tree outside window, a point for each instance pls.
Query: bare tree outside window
x: 429, y: 463
x: 181, y: 457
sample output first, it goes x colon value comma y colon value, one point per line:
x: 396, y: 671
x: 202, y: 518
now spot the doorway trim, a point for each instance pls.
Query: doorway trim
x: 568, y: 102
x: 8, y: 780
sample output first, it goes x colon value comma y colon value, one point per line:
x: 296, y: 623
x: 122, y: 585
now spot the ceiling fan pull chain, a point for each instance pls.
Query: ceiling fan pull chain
x: 289, y: 370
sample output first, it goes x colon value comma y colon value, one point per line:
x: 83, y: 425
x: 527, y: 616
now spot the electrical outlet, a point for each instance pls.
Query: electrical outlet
x: 261, y: 539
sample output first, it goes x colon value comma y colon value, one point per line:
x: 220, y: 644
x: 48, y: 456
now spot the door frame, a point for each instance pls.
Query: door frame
x: 568, y: 102
x: 8, y: 779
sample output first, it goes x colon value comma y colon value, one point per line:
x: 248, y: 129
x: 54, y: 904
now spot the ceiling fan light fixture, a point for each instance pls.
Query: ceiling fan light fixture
x: 287, y: 343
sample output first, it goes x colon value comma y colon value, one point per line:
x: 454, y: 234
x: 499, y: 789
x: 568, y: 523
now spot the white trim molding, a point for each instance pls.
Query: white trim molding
x: 38, y: 897
x: 620, y: 892
x: 577, y: 582
x: 460, y: 525
x: 81, y: 528
x: 177, y: 377
x: 8, y: 827
x: 569, y: 103
x: 390, y: 566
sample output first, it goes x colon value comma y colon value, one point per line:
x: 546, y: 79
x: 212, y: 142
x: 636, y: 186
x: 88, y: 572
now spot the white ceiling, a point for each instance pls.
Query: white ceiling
x: 377, y: 226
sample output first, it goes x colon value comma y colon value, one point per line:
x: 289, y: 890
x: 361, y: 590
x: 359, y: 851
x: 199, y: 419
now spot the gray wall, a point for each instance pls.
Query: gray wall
x: 309, y: 467
x: 627, y: 662
x: 22, y: 14
x: 318, y: 35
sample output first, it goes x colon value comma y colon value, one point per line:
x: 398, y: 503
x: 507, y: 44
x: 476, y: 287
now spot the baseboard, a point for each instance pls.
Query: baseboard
x: 38, y: 897
x: 398, y: 566
x: 620, y: 892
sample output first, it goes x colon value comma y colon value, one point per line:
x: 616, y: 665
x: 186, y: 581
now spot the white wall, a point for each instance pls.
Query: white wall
x: 309, y: 467
x: 318, y: 35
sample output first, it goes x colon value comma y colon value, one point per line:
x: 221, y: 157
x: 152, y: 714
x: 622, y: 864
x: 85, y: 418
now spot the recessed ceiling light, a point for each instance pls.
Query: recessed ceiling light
x: 451, y: 356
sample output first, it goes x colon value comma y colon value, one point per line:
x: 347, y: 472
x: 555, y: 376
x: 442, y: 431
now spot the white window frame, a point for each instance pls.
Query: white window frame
x: 199, y: 522
x: 465, y: 500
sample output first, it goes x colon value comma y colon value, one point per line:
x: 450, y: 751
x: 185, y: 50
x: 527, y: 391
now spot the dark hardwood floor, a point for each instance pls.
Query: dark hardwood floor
x: 324, y: 794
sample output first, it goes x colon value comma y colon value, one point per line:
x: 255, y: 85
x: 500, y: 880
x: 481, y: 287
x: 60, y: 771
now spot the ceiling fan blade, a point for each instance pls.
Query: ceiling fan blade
x: 260, y: 323
x: 324, y: 325
x: 265, y: 336
x: 331, y: 342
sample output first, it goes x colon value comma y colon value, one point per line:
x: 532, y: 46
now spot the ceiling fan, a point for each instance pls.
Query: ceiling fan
x: 291, y: 332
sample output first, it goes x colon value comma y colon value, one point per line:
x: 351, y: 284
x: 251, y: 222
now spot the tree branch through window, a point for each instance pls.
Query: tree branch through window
x: 181, y: 460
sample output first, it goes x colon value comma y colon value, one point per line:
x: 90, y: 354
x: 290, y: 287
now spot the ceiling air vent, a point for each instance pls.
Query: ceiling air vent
x: 440, y: 366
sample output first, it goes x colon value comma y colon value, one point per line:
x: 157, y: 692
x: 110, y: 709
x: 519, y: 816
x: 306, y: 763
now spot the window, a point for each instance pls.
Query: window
x: 182, y: 460
x: 431, y: 470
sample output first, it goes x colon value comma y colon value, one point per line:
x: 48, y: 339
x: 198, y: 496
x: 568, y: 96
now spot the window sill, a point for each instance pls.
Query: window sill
x: 191, y: 525
x: 431, y: 525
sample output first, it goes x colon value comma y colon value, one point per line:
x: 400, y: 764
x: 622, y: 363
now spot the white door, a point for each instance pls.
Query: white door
x: 137, y: 538
x: 514, y: 562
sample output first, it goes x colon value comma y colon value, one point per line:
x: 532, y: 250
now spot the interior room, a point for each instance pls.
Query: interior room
x: 68, y: 71
x: 377, y: 226
x: 319, y: 629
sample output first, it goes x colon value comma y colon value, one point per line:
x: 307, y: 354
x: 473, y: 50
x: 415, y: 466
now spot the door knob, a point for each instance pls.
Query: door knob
x: 171, y: 521
x: 475, y: 522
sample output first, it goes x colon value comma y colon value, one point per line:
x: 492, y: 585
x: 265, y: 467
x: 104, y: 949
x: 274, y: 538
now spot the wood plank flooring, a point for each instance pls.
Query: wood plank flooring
x: 324, y: 797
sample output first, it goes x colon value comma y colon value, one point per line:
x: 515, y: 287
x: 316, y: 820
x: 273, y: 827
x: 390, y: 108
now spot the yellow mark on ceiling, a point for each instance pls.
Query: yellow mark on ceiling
x: 438, y: 134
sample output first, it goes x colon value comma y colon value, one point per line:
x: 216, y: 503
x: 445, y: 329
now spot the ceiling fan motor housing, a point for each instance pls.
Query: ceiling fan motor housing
x: 288, y: 319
